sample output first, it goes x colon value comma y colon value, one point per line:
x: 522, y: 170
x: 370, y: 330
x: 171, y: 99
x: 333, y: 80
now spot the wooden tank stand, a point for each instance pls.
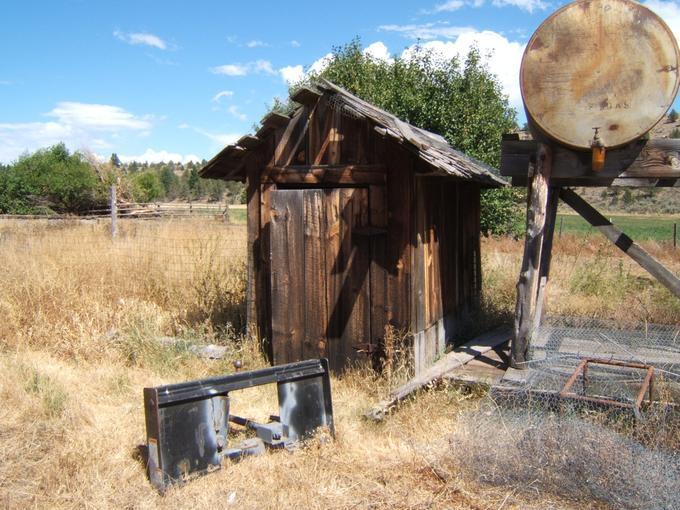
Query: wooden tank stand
x: 549, y: 171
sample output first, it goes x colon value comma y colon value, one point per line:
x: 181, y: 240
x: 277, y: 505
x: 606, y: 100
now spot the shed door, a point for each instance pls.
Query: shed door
x: 320, y: 282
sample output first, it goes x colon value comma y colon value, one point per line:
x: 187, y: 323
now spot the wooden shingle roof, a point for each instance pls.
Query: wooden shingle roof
x: 429, y: 147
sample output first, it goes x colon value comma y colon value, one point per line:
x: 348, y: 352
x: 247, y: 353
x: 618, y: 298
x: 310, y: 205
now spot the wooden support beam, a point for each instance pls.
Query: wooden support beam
x: 622, y: 241
x: 306, y: 96
x: 644, y: 162
x: 248, y: 142
x: 546, y: 258
x: 530, y: 276
x: 292, y: 138
x: 275, y: 120
x: 349, y: 174
x: 594, y: 181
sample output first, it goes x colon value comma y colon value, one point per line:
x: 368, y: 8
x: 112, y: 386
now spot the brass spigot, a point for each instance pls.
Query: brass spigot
x: 598, y: 151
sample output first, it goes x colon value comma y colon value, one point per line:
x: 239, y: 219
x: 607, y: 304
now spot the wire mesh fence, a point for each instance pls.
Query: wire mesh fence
x: 177, y: 244
x: 193, y: 265
x: 595, y: 417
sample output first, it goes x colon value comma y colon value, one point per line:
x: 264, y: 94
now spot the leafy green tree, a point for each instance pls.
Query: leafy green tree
x: 50, y: 180
x: 461, y: 100
x: 193, y: 181
x: 169, y: 181
x: 148, y: 186
x: 673, y: 115
x: 675, y: 133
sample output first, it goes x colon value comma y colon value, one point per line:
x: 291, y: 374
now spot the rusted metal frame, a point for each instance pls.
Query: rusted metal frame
x: 582, y: 368
x: 646, y: 384
x: 572, y: 379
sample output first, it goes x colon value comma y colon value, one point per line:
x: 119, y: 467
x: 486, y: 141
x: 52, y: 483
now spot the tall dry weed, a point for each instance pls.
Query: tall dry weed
x: 78, y: 342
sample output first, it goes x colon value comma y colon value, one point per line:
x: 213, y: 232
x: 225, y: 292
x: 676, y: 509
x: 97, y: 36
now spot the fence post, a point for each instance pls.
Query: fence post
x: 675, y: 235
x: 114, y: 212
x: 560, y: 233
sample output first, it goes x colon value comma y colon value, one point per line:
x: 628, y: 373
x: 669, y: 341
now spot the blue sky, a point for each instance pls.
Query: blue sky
x: 154, y: 80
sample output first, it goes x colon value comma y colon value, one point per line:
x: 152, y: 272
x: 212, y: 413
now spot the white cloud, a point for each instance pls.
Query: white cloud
x: 525, y: 5
x: 451, y: 5
x: 78, y: 125
x: 224, y: 93
x: 256, y: 43
x: 295, y: 44
x: 378, y: 51
x: 231, y: 70
x: 257, y: 67
x: 141, y: 38
x: 101, y: 117
x: 220, y: 139
x: 321, y: 64
x: 669, y: 12
x: 233, y: 110
x: 427, y: 31
x: 263, y: 66
x: 502, y: 56
x: 292, y: 74
x: 154, y: 156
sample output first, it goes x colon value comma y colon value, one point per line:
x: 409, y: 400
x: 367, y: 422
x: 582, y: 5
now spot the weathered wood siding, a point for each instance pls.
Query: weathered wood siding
x: 446, y: 262
x: 375, y: 245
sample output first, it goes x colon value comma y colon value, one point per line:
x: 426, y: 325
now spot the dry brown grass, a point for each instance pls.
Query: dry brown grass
x: 77, y: 345
x: 588, y: 277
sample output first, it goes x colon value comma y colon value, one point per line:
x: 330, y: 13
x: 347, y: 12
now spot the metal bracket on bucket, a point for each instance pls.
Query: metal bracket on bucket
x: 187, y: 424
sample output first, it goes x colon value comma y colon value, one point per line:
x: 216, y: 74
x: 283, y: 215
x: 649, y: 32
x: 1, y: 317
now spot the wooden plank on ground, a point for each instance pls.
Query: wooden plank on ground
x: 456, y: 358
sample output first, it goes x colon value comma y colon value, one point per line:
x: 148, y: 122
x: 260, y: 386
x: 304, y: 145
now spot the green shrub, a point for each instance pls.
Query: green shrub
x: 51, y: 180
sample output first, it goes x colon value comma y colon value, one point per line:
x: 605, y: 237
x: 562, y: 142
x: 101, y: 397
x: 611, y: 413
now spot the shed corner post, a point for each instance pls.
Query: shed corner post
x: 253, y: 293
x: 541, y: 211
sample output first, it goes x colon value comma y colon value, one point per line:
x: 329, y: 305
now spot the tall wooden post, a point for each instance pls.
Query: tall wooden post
x: 114, y: 212
x: 535, y: 263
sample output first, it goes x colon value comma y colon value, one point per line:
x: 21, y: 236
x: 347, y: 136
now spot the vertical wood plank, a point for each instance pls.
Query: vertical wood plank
x: 335, y: 138
x: 315, y: 343
x: 335, y: 267
x: 287, y: 275
x: 264, y: 276
x: 253, y: 289
x: 318, y: 131
x: 400, y: 227
x: 419, y: 281
x: 378, y: 218
x: 356, y: 295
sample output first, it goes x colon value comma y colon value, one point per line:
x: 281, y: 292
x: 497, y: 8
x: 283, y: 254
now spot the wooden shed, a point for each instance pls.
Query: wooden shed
x: 356, y: 220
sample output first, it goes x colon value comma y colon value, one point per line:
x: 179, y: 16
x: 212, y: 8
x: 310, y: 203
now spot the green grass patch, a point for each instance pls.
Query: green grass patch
x: 238, y: 216
x: 642, y: 228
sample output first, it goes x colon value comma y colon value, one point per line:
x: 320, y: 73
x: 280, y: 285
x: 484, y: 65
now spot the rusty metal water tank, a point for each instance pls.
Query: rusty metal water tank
x: 606, y: 64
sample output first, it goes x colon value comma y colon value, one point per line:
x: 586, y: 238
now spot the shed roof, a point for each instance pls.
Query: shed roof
x: 429, y: 147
